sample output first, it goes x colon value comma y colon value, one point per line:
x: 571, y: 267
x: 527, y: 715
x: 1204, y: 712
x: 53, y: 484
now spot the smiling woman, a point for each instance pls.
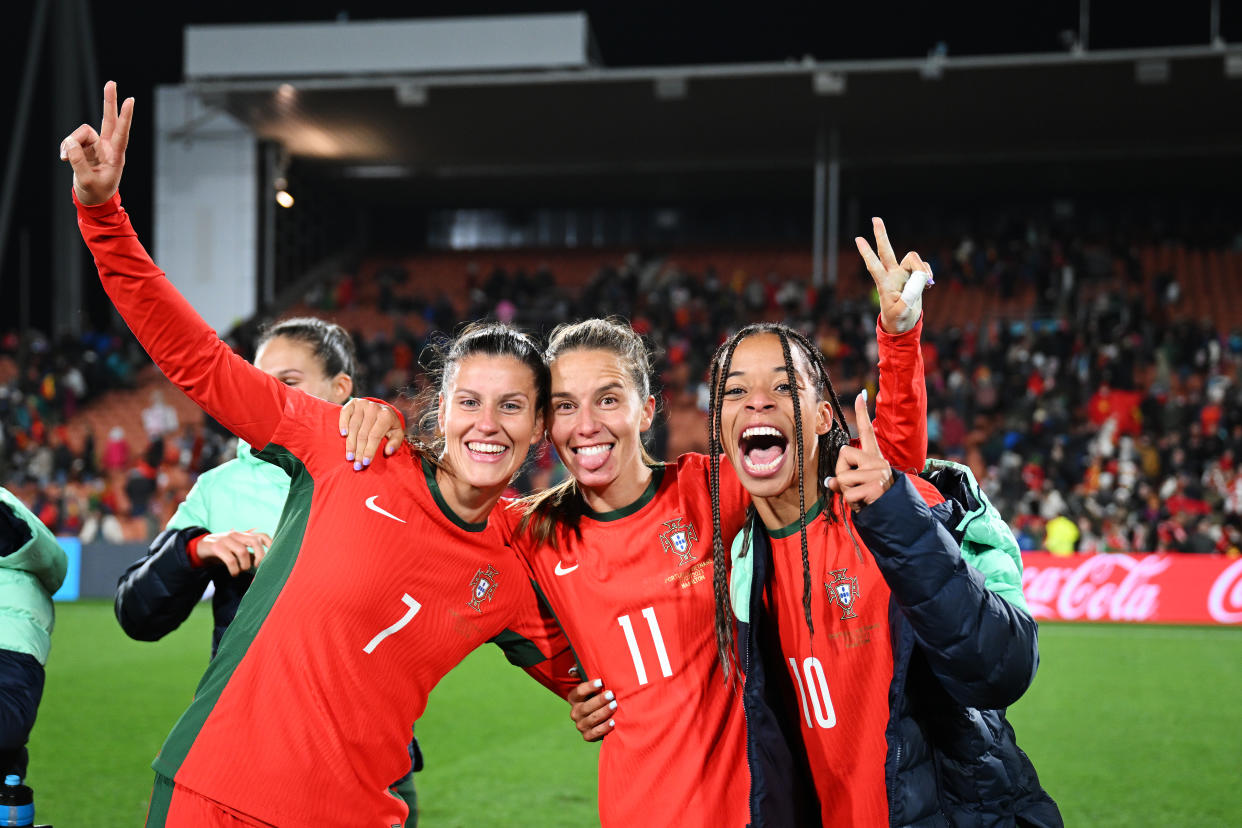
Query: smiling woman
x: 376, y: 584
x: 485, y: 412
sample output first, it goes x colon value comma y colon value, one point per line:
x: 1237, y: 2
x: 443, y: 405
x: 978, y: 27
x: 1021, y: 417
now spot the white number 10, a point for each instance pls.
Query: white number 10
x: 656, y: 638
x: 817, y: 688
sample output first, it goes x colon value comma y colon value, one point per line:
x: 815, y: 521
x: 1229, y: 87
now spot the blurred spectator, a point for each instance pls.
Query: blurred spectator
x: 159, y: 418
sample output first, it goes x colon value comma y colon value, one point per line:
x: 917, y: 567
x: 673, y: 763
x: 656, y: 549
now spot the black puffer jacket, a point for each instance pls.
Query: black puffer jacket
x: 158, y: 591
x: 961, y: 655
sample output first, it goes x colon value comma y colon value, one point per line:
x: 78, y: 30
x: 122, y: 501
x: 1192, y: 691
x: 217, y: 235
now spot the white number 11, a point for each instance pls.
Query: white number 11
x: 656, y: 638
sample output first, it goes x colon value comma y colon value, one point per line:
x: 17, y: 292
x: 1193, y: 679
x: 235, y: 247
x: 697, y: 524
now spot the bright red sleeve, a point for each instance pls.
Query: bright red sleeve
x: 901, y: 402
x: 242, y: 398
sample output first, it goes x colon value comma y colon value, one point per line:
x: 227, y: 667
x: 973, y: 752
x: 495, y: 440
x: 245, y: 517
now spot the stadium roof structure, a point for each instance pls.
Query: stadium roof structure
x: 554, y: 125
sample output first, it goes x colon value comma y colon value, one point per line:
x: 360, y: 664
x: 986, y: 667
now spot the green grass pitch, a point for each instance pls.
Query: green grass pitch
x: 1127, y: 725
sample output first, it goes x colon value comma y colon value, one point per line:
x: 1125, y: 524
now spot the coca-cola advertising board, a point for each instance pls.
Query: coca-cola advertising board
x: 1154, y: 588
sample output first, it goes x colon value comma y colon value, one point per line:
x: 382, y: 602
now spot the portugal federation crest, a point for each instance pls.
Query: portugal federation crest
x: 843, y: 590
x: 482, y: 587
x: 678, y: 539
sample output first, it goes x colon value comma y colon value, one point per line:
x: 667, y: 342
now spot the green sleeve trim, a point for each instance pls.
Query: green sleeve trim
x: 519, y: 650
x: 268, y: 583
x: 582, y: 673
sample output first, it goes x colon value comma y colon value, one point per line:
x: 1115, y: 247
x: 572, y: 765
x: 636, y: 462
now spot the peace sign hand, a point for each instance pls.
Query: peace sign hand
x: 900, y: 286
x: 862, y: 473
x: 98, y: 158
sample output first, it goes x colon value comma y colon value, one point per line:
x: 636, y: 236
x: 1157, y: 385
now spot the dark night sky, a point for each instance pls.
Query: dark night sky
x: 140, y: 45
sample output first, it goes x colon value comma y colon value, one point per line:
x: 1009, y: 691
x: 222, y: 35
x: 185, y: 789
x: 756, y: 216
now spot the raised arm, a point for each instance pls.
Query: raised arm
x: 901, y: 400
x: 983, y: 649
x: 187, y: 350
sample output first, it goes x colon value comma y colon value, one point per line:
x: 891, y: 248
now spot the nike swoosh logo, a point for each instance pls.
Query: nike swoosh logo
x: 371, y: 505
x: 560, y: 570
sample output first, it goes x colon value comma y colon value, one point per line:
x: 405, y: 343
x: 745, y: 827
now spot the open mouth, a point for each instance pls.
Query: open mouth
x: 486, y: 452
x: 763, y: 450
x: 594, y: 456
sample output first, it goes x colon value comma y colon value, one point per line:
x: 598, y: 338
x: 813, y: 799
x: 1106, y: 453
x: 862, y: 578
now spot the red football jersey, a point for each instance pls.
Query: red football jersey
x: 633, y: 591
x: 373, y: 588
x: 838, y: 678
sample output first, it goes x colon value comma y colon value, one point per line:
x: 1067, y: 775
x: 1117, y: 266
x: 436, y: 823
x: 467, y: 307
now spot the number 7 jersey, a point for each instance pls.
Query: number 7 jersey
x: 372, y: 591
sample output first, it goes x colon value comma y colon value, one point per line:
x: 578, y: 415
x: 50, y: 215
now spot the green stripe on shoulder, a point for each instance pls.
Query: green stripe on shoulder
x: 582, y: 673
x: 268, y: 583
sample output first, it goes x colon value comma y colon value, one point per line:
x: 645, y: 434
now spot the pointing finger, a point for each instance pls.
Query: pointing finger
x: 866, y: 433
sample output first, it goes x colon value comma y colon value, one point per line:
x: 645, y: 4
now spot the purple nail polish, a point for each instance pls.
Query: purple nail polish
x: 366, y: 461
x: 349, y: 455
x: 357, y: 467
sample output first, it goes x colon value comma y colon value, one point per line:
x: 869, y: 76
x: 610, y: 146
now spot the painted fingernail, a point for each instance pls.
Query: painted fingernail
x: 612, y: 706
x: 366, y: 461
x: 349, y: 455
x: 598, y: 683
x: 828, y: 480
x: 389, y: 449
x: 612, y: 722
x: 344, y: 432
x: 357, y: 467
x: 609, y: 695
x: 864, y: 394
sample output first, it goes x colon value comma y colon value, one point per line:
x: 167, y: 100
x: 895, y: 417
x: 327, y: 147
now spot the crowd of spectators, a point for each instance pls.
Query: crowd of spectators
x: 1098, y: 417
x: 80, y: 483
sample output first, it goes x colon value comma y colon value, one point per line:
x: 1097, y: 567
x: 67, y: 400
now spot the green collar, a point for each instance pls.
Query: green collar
x: 429, y: 469
x: 657, y: 474
x: 786, y: 531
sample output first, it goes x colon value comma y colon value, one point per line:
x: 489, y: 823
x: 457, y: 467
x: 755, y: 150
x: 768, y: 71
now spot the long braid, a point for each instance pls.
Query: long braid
x: 792, y: 378
x: 830, y: 443
x: 829, y: 447
x: 720, y: 581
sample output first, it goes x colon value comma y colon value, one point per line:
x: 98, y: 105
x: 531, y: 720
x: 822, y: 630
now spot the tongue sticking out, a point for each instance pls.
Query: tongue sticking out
x: 592, y: 460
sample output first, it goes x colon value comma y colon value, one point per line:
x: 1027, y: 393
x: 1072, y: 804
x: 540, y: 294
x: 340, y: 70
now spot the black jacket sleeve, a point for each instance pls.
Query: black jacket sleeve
x: 158, y: 591
x: 983, y: 650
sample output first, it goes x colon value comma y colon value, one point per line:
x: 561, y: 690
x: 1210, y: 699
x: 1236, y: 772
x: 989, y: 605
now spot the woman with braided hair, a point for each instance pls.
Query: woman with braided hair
x: 618, y: 552
x: 877, y: 662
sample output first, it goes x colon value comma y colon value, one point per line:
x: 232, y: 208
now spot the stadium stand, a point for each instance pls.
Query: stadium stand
x: 1118, y: 365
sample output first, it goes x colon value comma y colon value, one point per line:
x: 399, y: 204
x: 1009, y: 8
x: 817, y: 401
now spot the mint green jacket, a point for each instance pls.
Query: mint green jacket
x: 28, y: 577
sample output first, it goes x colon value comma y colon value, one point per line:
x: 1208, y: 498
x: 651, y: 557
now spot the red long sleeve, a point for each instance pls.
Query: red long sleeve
x: 246, y: 401
x: 901, y: 401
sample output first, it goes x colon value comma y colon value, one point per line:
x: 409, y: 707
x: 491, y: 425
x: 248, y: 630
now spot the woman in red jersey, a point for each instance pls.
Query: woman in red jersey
x: 877, y: 663
x: 621, y: 554
x: 375, y: 585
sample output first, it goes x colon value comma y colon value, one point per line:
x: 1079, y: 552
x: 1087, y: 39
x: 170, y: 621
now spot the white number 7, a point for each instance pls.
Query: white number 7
x: 414, y: 607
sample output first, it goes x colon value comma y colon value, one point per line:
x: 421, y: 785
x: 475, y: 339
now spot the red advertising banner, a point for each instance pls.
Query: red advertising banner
x: 1155, y: 588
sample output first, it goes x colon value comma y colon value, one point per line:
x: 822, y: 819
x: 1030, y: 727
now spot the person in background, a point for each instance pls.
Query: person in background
x: 32, y: 568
